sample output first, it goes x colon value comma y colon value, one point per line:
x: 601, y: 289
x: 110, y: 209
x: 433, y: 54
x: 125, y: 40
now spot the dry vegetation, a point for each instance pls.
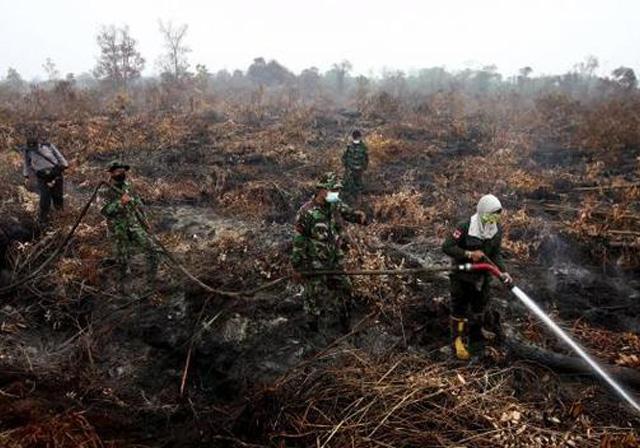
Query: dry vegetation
x: 405, y: 400
x: 243, y: 158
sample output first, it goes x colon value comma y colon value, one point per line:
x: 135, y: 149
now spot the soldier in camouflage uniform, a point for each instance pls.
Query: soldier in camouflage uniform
x: 356, y: 161
x: 319, y: 244
x: 127, y: 223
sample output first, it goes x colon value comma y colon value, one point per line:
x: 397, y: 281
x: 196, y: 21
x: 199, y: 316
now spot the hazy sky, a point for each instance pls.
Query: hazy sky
x: 549, y: 35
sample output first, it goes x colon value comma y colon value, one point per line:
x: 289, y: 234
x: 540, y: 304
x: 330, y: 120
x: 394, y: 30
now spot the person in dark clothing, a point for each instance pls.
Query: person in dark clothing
x: 47, y: 164
x: 476, y: 240
x: 356, y: 161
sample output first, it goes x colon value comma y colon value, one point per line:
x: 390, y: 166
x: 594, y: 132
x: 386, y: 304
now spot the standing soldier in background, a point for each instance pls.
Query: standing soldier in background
x: 46, y: 163
x: 476, y: 240
x: 356, y: 161
x: 319, y: 244
x: 128, y: 226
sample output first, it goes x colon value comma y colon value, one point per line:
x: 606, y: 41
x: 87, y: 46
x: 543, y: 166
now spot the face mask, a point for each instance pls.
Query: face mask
x: 491, y: 218
x: 356, y: 142
x: 332, y: 197
x: 119, y: 177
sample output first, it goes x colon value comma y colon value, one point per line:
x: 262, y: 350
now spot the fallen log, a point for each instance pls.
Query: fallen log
x: 624, y: 245
x: 608, y: 187
x: 557, y: 362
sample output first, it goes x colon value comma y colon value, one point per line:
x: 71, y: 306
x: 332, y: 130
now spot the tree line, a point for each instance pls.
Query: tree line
x: 120, y: 65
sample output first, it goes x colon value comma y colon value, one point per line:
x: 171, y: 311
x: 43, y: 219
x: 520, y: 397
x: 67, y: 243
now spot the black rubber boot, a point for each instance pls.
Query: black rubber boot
x: 476, y: 337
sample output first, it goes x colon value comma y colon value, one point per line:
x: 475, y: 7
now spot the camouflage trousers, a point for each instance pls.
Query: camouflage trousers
x: 353, y: 184
x: 128, y: 240
x: 327, y: 295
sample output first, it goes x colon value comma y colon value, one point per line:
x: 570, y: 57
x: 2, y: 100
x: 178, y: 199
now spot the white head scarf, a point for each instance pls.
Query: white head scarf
x: 487, y: 204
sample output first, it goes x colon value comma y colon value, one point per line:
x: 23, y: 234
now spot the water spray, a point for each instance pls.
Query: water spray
x: 468, y: 267
x: 561, y: 334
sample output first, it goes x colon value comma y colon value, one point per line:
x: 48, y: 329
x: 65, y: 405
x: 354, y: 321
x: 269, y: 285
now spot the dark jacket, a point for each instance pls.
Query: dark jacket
x: 459, y: 241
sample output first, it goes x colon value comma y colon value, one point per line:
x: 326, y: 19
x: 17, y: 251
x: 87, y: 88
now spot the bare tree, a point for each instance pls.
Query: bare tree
x: 108, y: 67
x: 132, y: 63
x: 119, y: 61
x: 588, y: 67
x: 174, y: 63
x: 51, y: 70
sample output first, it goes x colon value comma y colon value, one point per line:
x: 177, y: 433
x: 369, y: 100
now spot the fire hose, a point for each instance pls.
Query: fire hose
x: 490, y: 268
x: 561, y: 334
x: 58, y: 250
x: 487, y: 267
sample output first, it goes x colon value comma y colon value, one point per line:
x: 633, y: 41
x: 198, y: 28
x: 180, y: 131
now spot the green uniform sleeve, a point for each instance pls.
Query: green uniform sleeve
x: 113, y: 207
x: 347, y: 212
x: 137, y: 204
x: 365, y: 156
x: 451, y: 245
x: 300, y: 252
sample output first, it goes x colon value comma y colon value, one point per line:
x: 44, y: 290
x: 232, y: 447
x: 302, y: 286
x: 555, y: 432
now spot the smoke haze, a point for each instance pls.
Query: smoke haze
x: 549, y: 36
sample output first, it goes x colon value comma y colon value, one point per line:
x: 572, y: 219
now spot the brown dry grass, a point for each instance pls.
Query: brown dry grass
x: 405, y: 400
x: 68, y: 430
x: 401, y: 399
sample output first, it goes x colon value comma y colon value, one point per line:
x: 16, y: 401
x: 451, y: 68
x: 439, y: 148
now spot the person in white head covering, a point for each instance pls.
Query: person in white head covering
x: 478, y: 239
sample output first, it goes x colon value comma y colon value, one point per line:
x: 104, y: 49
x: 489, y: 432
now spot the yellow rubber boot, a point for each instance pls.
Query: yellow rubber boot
x: 459, y: 329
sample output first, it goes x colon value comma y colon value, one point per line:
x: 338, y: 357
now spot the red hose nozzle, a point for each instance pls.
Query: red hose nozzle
x: 481, y: 267
x: 486, y: 267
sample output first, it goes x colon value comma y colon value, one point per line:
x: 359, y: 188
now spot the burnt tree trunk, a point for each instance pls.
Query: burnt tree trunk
x: 564, y: 363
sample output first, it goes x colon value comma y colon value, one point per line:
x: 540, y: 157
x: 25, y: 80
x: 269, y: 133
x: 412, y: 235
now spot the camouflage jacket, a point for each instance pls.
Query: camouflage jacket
x: 318, y: 241
x: 356, y: 157
x: 115, y: 211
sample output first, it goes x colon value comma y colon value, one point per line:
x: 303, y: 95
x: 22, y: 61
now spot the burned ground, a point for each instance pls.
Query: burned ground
x: 82, y: 365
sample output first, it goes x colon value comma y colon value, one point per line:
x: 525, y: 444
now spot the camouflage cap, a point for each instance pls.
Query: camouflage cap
x: 329, y: 181
x: 115, y: 164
